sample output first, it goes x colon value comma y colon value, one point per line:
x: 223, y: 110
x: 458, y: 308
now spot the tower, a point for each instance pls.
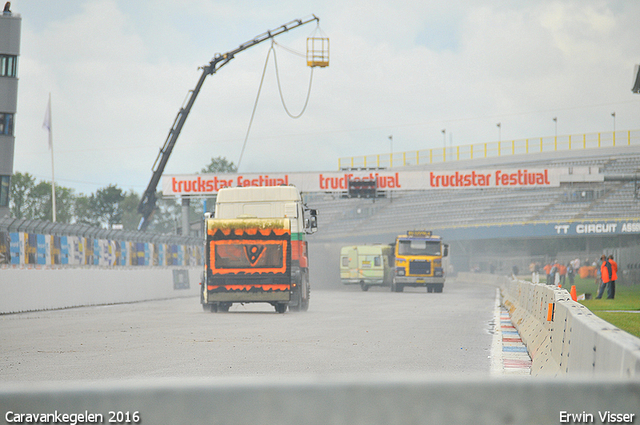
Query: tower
x: 9, y: 51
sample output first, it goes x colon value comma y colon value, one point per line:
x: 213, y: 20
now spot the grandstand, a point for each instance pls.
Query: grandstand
x: 499, y: 220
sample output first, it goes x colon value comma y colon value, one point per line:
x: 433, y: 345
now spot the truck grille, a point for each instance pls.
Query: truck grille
x: 420, y: 267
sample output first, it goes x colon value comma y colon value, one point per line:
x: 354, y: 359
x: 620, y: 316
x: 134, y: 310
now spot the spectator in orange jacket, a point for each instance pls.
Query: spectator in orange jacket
x: 547, y: 270
x: 606, y: 273
x: 614, y: 277
x: 562, y: 269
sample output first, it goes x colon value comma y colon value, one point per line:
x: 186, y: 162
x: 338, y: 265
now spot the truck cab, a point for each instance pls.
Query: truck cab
x: 419, y: 261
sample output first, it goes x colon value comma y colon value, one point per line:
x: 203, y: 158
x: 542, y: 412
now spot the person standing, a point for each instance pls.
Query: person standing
x: 562, y: 270
x: 570, y: 272
x: 605, y: 275
x: 614, y: 276
x: 547, y: 271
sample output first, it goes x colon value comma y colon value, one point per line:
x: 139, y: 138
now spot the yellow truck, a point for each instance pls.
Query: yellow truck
x: 366, y: 265
x: 419, y: 261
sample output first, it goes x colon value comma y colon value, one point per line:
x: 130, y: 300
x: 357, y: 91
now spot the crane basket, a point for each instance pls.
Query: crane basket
x: 318, y: 51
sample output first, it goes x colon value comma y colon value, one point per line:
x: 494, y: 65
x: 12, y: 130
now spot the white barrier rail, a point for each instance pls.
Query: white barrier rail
x: 329, y: 401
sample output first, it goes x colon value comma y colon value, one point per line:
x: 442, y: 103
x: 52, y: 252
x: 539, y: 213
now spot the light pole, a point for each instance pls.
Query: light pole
x: 555, y: 120
x: 444, y: 144
x: 391, y: 151
x: 499, y: 125
x: 613, y: 114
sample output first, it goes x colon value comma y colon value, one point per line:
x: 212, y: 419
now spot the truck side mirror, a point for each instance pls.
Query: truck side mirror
x: 311, y: 224
x: 446, y: 250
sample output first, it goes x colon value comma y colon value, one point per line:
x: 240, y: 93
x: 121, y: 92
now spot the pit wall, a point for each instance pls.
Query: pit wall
x: 565, y: 338
x: 26, y: 289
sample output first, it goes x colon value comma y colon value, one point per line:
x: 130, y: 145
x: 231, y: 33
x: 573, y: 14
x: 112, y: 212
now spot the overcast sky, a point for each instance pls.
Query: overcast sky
x: 119, y: 71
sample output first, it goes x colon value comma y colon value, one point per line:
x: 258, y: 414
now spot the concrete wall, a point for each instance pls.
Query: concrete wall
x: 570, y: 340
x: 46, y: 289
x: 345, y: 400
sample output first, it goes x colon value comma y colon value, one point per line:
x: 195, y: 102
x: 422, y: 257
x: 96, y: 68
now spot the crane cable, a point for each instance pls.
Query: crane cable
x: 306, y: 102
x: 255, y: 105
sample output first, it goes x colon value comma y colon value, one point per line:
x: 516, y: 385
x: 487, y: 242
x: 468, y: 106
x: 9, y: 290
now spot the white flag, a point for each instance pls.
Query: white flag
x: 47, y: 121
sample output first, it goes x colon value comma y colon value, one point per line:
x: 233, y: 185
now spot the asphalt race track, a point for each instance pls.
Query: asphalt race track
x: 344, y: 331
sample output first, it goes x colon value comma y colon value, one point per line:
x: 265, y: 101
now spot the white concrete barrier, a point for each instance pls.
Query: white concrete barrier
x: 345, y: 400
x: 45, y: 289
x: 569, y: 340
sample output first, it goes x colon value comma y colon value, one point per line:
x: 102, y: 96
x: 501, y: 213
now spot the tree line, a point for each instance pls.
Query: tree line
x: 107, y: 206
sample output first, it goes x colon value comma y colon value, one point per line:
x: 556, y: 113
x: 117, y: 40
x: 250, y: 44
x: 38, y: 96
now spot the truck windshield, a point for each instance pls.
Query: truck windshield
x: 418, y: 247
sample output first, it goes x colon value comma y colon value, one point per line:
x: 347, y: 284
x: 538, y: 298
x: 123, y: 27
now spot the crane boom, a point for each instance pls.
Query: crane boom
x: 148, y: 202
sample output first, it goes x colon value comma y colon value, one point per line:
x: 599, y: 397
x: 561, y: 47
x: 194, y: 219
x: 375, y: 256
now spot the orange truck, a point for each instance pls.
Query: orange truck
x: 256, y: 249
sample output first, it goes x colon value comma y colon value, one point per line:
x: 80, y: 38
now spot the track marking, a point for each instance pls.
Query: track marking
x: 509, y: 355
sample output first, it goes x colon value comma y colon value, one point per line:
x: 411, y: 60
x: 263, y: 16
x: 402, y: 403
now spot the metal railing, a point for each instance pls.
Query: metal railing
x: 10, y: 225
x: 494, y: 149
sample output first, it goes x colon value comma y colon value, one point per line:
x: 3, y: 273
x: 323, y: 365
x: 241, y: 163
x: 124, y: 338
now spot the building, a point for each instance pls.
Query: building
x: 594, y: 209
x: 10, y: 24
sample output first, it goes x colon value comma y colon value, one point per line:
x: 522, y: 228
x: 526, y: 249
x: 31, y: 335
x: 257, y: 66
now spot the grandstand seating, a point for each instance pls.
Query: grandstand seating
x: 437, y: 209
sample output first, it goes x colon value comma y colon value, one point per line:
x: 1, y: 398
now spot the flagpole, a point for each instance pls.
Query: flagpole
x: 48, y: 125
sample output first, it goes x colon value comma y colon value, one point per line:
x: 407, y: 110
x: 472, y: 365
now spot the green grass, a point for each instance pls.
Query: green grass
x: 627, y: 298
x: 628, y: 322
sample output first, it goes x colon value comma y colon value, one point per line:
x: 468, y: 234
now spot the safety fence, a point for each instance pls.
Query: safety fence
x: 494, y: 149
x: 29, y: 243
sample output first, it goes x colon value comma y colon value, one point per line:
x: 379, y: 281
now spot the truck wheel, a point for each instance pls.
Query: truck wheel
x: 281, y: 308
x: 396, y: 287
x: 364, y: 286
x: 304, y: 306
x: 429, y: 288
x: 224, y: 307
x: 297, y: 300
x: 438, y: 287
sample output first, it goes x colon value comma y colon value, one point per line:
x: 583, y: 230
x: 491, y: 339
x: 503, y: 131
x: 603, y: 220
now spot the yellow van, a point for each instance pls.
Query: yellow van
x: 366, y: 265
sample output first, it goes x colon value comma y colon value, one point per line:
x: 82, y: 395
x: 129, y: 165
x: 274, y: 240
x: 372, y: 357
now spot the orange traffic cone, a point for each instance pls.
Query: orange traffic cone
x: 574, y: 295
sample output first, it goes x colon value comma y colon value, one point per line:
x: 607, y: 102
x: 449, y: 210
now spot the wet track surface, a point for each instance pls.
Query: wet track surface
x: 344, y: 331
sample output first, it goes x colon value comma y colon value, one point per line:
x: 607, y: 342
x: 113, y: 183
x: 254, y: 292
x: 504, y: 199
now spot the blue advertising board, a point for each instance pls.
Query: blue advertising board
x: 542, y: 230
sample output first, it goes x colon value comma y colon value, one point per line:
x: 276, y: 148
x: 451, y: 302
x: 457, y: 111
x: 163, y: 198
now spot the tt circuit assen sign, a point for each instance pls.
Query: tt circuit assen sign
x: 543, y: 230
x: 208, y: 184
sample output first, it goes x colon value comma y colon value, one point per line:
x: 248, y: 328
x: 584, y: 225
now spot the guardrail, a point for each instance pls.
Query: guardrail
x: 494, y: 149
